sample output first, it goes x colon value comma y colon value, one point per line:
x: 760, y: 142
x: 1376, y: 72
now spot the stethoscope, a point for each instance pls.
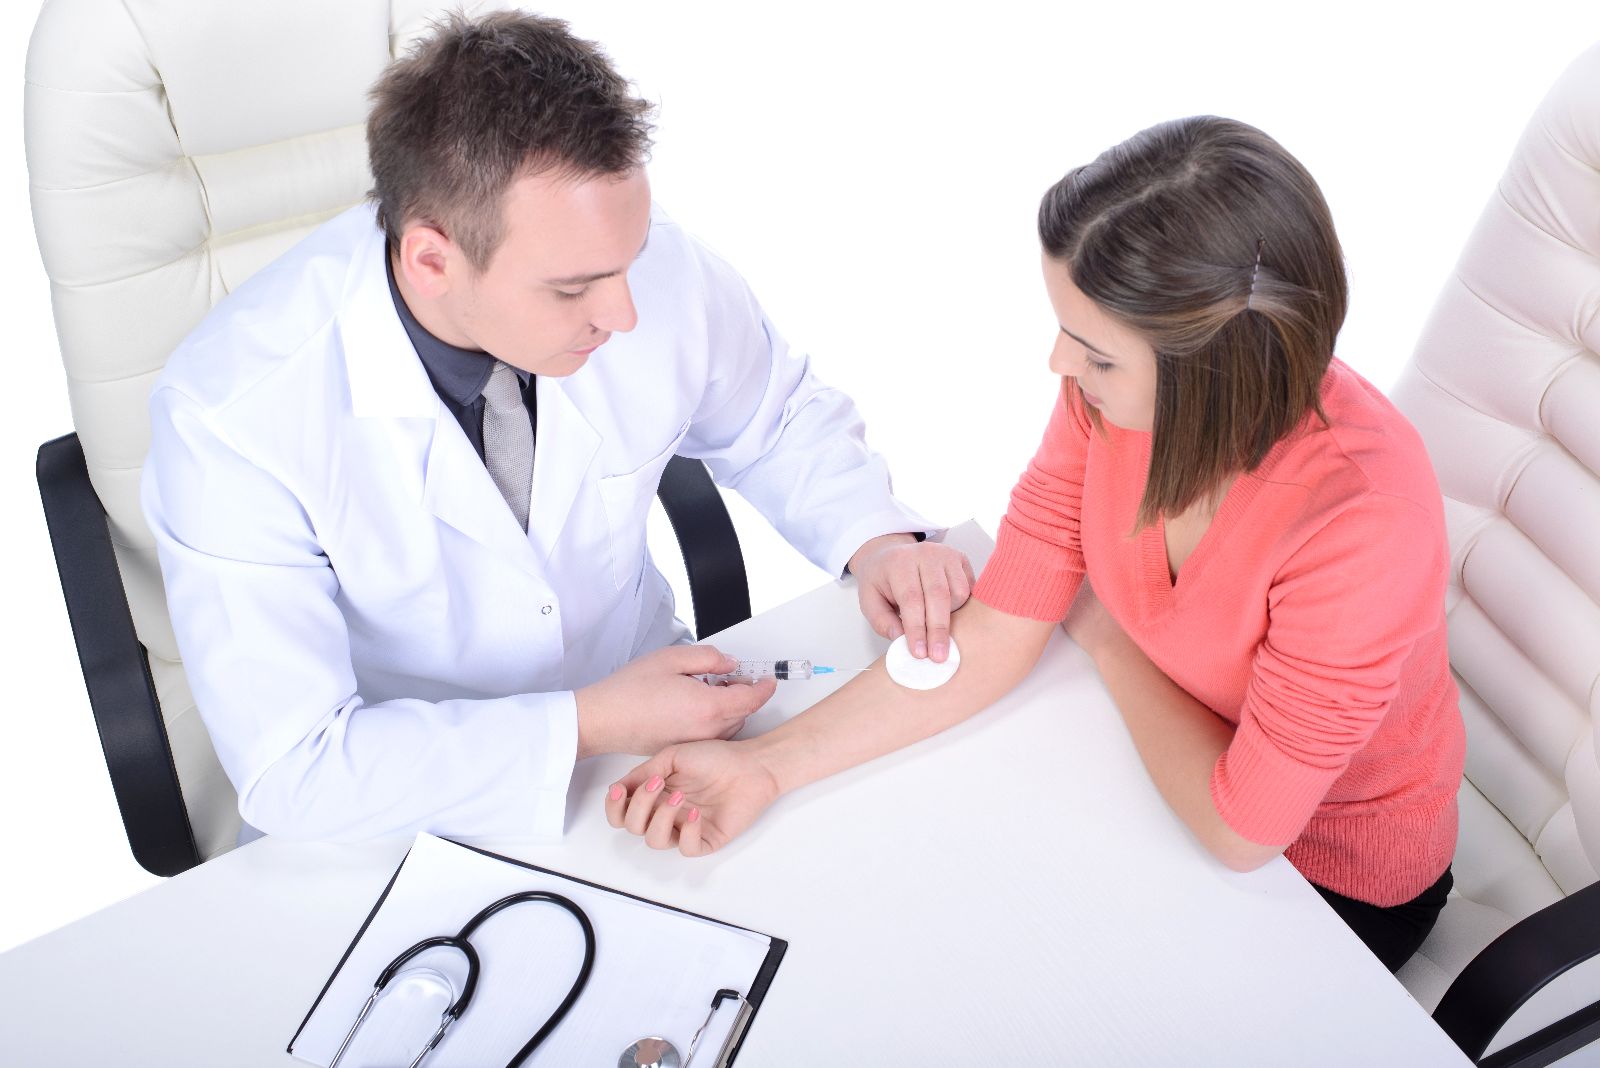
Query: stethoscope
x: 460, y: 943
x: 650, y: 1052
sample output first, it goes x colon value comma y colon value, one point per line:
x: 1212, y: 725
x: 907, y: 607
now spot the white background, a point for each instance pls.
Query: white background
x: 873, y: 169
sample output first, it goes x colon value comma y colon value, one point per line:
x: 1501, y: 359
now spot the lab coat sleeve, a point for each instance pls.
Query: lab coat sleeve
x: 794, y: 447
x: 267, y: 654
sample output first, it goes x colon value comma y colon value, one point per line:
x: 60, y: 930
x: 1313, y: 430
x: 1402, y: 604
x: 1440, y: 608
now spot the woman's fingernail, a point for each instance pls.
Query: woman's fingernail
x: 653, y: 785
x: 921, y: 651
x: 694, y: 814
x: 676, y: 798
x: 616, y: 792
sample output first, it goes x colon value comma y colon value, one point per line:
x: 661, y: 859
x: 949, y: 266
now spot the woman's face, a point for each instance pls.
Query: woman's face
x: 1115, y: 368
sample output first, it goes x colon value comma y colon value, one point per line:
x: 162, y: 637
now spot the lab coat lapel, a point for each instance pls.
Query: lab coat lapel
x: 458, y: 491
x: 385, y: 376
x: 387, y: 381
x: 564, y: 447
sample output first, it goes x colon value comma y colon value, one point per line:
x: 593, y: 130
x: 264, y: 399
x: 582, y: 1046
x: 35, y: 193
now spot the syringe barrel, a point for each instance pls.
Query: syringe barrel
x: 782, y: 670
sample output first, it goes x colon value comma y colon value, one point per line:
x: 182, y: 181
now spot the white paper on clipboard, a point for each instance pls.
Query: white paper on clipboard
x: 656, y: 970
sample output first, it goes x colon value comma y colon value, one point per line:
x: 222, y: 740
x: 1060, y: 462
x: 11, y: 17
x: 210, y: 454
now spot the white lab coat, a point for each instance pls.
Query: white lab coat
x: 374, y: 644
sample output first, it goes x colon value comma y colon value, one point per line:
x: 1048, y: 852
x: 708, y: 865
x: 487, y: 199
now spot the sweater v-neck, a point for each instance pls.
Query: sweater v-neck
x: 1160, y: 593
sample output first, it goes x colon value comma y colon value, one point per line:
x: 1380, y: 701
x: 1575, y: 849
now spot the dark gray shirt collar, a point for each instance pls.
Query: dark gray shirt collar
x: 457, y: 374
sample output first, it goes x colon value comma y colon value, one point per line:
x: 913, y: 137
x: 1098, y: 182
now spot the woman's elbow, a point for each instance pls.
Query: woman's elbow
x: 1236, y: 852
x: 1241, y: 855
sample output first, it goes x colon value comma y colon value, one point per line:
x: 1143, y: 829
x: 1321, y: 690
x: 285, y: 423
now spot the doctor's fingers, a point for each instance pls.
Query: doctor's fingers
x: 958, y: 573
x: 923, y: 595
x: 734, y: 703
x: 695, y: 660
x: 906, y: 589
x: 660, y: 832
x: 947, y: 585
x: 936, y: 597
x: 879, y: 612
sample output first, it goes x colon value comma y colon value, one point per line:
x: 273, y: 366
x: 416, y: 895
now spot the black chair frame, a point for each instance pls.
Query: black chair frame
x: 116, y: 667
x: 1510, y: 970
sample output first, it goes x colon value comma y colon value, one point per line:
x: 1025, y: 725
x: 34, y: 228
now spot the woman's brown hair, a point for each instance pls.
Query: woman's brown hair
x: 1213, y: 243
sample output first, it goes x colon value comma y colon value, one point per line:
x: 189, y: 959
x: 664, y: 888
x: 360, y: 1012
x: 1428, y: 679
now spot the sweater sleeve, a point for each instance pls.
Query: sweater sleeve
x: 1037, y: 564
x: 1344, y: 614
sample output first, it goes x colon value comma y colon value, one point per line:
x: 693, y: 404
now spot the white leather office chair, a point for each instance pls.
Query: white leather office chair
x: 174, y: 147
x: 1505, y: 388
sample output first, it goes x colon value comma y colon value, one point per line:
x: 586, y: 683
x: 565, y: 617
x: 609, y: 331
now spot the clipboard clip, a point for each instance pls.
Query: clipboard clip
x: 740, y: 1021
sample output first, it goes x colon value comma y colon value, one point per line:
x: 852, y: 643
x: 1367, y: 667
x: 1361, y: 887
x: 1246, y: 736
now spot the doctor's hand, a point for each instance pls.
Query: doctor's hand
x: 910, y: 587
x: 694, y: 797
x: 654, y: 701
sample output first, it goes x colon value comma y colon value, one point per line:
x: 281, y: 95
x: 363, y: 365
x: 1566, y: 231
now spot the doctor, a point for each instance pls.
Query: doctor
x: 399, y: 479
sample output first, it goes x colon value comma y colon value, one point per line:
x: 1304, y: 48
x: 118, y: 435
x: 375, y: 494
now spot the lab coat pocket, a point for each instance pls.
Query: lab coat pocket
x: 627, y: 500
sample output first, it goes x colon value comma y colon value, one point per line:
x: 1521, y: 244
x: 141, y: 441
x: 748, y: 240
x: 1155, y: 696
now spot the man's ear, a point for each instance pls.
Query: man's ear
x: 430, y: 261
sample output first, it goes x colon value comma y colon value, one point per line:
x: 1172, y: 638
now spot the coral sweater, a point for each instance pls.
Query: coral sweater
x: 1310, y: 616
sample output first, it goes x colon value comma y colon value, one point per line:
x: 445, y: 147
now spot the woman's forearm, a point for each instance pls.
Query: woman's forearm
x: 1179, y: 739
x: 872, y: 715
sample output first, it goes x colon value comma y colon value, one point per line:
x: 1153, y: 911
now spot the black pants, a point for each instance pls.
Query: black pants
x: 1394, y: 933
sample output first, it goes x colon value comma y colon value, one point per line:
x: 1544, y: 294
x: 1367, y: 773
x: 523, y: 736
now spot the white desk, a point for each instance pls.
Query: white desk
x: 1052, y: 911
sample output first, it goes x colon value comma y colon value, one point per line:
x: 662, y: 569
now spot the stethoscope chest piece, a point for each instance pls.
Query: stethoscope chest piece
x: 650, y: 1053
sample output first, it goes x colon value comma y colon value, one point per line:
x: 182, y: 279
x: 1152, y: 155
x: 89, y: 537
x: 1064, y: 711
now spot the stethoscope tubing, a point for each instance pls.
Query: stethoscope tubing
x: 578, y: 984
x: 460, y: 942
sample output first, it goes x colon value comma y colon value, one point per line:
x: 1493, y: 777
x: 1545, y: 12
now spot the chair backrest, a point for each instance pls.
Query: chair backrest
x: 173, y: 149
x: 1505, y: 388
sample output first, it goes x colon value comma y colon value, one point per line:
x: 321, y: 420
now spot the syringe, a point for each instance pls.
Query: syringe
x: 756, y: 670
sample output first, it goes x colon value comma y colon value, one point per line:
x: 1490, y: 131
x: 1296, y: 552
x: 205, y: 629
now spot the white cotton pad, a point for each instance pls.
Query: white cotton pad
x: 915, y: 674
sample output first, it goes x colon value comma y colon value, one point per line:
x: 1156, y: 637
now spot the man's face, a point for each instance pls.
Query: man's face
x: 1114, y: 366
x: 557, y: 286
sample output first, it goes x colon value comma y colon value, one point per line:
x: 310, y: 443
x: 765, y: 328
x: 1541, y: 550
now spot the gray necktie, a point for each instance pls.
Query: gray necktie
x: 508, y: 440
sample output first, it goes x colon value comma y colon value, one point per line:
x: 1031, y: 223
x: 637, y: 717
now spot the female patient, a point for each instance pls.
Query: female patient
x: 1261, y: 534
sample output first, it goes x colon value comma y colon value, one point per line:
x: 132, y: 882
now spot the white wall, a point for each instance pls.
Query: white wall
x: 875, y: 177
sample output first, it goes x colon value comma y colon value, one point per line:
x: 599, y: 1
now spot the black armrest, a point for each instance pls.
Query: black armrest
x: 1513, y: 968
x: 115, y: 667
x: 710, y: 547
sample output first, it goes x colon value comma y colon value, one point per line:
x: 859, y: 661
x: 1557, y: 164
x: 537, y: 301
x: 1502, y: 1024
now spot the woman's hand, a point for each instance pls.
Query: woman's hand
x: 695, y: 797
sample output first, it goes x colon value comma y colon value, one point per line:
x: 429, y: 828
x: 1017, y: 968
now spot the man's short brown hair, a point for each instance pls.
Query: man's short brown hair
x: 479, y: 103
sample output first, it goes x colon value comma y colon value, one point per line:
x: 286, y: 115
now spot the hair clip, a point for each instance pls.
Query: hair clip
x: 1249, y: 301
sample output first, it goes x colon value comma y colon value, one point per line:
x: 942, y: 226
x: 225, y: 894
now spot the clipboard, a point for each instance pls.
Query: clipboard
x: 440, y: 882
